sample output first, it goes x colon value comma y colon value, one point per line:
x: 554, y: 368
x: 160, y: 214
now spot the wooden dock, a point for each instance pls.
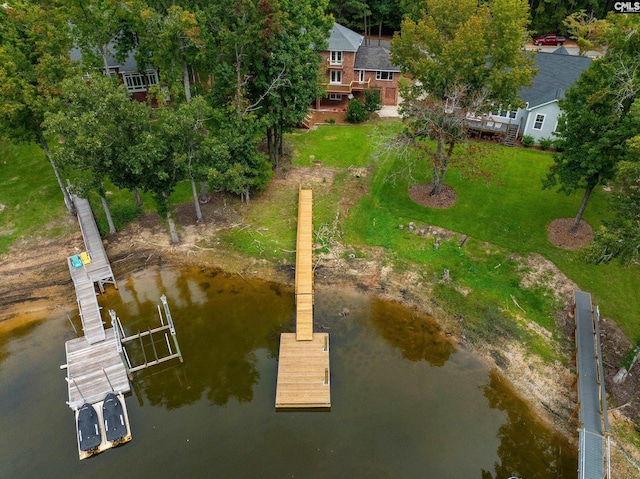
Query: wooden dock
x: 88, y: 306
x: 99, y: 270
x: 304, y: 267
x: 104, y: 444
x: 303, y: 364
x: 593, y: 434
x: 303, y: 372
x: 86, y: 367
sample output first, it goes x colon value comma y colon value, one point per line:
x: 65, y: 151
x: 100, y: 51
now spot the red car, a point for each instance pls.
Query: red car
x: 549, y: 39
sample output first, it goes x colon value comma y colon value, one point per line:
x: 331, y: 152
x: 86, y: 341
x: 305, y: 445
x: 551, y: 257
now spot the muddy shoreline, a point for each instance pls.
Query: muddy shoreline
x: 36, y: 282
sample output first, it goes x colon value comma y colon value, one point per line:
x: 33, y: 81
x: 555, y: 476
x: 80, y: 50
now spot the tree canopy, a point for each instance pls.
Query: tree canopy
x: 462, y: 56
x: 34, y: 59
x: 600, y: 115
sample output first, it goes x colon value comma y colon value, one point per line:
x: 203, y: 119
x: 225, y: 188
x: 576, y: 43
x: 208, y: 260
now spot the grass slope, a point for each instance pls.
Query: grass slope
x: 509, y: 210
x: 30, y: 193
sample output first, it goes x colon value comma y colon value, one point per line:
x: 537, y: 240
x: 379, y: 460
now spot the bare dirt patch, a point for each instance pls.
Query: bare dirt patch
x: 560, y: 234
x: 421, y: 194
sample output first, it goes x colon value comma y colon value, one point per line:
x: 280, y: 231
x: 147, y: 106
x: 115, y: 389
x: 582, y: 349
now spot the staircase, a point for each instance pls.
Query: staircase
x: 512, y: 134
x: 307, y: 121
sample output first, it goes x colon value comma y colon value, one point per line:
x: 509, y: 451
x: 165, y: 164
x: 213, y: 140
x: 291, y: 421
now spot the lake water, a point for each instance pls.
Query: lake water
x: 405, y: 402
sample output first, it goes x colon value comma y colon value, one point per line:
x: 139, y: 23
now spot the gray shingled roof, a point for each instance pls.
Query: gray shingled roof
x: 374, y: 57
x: 343, y: 39
x: 129, y: 64
x: 557, y: 71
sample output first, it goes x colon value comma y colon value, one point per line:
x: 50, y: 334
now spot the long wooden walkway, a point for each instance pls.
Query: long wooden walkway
x: 99, y: 270
x: 304, y: 267
x: 303, y: 364
x: 592, y: 402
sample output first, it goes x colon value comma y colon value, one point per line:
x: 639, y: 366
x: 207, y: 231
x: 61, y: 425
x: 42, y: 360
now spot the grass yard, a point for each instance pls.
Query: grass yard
x: 509, y: 210
x: 31, y: 200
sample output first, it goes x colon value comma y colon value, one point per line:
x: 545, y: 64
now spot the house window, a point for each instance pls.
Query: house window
x: 361, y: 76
x: 336, y: 58
x: 336, y: 76
x: 136, y: 81
x: 384, y: 76
x: 335, y: 96
x: 537, y: 125
x: 512, y: 114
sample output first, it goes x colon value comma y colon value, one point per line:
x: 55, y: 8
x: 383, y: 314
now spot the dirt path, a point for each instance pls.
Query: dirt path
x: 35, y: 279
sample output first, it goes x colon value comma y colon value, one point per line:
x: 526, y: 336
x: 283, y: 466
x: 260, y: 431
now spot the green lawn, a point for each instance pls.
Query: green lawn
x: 509, y: 210
x: 29, y: 192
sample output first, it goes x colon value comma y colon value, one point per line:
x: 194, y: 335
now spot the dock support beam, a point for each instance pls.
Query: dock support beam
x: 172, y: 329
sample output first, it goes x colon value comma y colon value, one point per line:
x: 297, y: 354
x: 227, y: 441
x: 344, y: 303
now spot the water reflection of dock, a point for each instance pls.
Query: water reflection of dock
x: 303, y: 365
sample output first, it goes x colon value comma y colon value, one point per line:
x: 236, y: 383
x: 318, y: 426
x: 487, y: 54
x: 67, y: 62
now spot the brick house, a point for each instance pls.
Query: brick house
x: 351, y: 67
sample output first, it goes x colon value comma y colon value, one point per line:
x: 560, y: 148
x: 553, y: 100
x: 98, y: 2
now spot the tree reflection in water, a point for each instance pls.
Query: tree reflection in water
x: 527, y: 449
x: 218, y: 337
x: 417, y: 335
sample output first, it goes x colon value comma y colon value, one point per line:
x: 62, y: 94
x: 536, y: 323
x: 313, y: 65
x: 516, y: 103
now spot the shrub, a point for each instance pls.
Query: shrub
x: 355, y: 111
x: 559, y: 143
x: 372, y: 100
x: 122, y: 214
x: 527, y: 140
x: 545, y: 143
x: 330, y: 121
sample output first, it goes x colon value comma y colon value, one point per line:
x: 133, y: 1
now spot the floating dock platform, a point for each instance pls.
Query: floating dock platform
x: 303, y: 372
x: 104, y: 444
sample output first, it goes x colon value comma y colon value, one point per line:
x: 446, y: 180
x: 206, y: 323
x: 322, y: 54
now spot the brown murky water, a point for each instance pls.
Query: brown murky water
x: 406, y: 404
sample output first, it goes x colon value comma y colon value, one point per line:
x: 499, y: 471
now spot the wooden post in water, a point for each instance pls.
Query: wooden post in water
x: 172, y: 329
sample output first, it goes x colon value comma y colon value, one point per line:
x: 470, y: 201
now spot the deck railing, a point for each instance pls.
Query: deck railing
x: 347, y: 87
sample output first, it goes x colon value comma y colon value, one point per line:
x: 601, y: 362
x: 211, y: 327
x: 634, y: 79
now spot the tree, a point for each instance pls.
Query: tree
x: 193, y: 148
x: 286, y: 64
x: 169, y: 39
x: 598, y: 118
x: 34, y: 59
x: 463, y: 57
x: 586, y: 30
x: 350, y: 13
x: 244, y: 169
x: 98, y: 125
x: 619, y: 236
x: 98, y: 28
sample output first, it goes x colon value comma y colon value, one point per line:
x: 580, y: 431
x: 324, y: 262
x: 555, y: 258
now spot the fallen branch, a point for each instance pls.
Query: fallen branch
x: 123, y: 259
x: 620, y: 407
x: 516, y: 303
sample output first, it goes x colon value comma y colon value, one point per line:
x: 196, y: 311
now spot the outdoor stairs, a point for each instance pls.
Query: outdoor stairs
x: 307, y: 121
x: 512, y: 134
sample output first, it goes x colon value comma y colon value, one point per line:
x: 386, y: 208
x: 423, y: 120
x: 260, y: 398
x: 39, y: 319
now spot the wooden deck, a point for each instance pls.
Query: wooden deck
x: 303, y: 372
x: 303, y: 365
x: 90, y: 316
x: 304, y: 267
x: 104, y: 445
x: 99, y: 270
x: 86, y: 379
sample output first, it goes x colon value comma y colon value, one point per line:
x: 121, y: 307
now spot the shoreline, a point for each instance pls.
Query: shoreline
x: 37, y: 283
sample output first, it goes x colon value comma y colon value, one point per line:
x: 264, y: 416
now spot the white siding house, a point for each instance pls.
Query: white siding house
x: 557, y: 71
